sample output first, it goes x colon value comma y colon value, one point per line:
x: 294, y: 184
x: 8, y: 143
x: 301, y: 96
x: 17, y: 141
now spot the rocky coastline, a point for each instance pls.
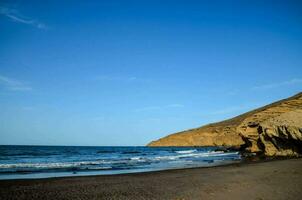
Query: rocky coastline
x: 274, y: 130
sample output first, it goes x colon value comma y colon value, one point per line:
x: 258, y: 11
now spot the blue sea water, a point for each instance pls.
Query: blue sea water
x: 20, y: 162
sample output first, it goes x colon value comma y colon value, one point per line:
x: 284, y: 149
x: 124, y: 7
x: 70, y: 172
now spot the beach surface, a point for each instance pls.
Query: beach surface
x: 280, y: 179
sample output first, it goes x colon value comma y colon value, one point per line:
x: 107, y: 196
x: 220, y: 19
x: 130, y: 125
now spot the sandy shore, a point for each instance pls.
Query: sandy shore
x: 266, y: 180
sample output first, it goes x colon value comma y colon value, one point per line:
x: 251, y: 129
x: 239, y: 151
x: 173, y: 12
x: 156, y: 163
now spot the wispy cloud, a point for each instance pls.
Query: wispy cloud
x: 15, y: 16
x: 151, y: 108
x: 294, y: 81
x: 115, y: 78
x: 13, y: 84
x: 120, y: 78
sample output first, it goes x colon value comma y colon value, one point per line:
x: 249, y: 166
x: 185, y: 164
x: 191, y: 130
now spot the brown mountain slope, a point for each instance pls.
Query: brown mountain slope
x: 275, y: 130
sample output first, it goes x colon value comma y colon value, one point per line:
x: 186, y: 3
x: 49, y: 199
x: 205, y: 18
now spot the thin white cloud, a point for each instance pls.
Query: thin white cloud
x: 15, y: 16
x: 120, y: 78
x: 175, y: 105
x: 151, y: 108
x: 115, y: 78
x: 13, y: 85
x: 294, y: 81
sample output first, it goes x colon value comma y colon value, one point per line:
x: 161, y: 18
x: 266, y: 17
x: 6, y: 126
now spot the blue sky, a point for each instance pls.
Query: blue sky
x: 128, y: 72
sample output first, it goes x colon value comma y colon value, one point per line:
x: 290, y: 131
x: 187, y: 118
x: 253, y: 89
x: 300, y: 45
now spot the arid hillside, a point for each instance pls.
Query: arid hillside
x: 273, y: 130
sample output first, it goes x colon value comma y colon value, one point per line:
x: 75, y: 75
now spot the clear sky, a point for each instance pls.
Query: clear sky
x: 128, y: 72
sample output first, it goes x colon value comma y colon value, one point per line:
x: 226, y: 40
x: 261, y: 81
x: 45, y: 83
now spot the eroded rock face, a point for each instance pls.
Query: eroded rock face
x: 282, y: 135
x: 273, y: 130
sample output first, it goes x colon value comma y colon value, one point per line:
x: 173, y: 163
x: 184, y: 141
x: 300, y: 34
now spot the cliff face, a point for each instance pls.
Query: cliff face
x: 273, y: 130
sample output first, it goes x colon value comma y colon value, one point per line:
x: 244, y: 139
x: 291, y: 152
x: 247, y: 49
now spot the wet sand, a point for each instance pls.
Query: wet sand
x: 274, y: 180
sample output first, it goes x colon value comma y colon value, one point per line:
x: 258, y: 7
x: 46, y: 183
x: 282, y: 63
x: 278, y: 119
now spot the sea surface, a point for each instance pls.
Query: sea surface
x: 22, y: 162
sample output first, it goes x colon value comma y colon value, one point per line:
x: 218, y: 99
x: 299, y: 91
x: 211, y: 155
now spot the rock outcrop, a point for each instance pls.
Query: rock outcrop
x: 272, y: 130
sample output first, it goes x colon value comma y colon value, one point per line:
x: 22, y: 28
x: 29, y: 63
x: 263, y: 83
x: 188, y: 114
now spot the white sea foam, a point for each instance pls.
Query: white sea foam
x: 196, y: 155
x: 136, y: 158
x: 49, y: 165
x: 186, y: 151
x: 210, y: 154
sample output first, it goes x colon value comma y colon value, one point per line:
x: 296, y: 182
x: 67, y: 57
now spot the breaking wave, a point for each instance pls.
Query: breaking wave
x: 79, y: 159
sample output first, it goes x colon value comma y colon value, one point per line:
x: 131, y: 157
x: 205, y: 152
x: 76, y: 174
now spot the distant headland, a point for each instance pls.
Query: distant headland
x: 272, y: 130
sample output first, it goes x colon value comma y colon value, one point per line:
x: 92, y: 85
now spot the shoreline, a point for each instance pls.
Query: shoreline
x: 243, y: 161
x: 273, y: 179
x: 78, y: 174
x: 126, y: 173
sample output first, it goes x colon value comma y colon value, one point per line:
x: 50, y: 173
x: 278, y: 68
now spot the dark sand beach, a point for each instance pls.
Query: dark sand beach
x: 281, y: 179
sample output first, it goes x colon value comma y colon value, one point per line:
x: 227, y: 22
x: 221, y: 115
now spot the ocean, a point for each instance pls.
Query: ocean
x: 23, y: 162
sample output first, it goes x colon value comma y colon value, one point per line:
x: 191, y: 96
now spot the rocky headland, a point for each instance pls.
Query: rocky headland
x: 272, y: 130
